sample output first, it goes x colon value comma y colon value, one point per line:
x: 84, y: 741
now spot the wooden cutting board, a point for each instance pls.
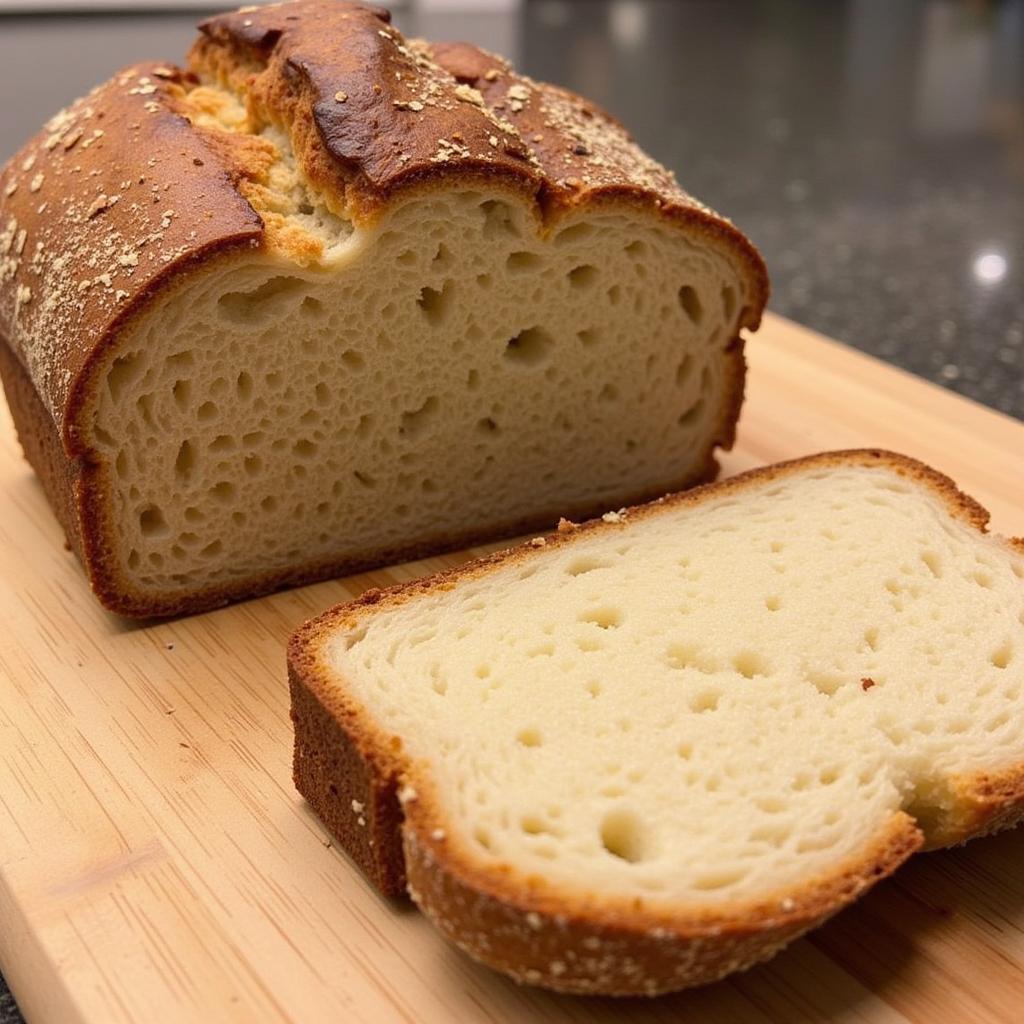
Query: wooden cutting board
x: 156, y: 864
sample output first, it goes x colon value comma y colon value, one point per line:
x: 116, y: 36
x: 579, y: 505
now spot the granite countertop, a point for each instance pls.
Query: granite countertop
x: 873, y: 151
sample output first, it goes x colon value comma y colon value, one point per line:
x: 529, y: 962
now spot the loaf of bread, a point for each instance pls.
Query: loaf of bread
x: 331, y: 298
x: 653, y: 749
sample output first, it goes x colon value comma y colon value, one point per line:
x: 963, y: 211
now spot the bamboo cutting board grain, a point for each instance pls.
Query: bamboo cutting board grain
x: 157, y: 865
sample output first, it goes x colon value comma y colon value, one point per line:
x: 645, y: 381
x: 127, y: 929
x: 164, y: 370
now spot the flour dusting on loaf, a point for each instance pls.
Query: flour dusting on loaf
x: 329, y: 298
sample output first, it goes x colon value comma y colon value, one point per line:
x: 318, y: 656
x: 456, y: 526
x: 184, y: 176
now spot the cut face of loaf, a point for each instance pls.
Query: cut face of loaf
x: 652, y: 750
x: 454, y: 371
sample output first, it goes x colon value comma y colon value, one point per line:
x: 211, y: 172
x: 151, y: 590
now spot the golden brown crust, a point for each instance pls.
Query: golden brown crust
x: 986, y: 802
x: 543, y: 939
x: 541, y: 934
x: 118, y: 196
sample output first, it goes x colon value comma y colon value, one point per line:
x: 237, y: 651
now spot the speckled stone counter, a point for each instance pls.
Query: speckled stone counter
x: 873, y: 149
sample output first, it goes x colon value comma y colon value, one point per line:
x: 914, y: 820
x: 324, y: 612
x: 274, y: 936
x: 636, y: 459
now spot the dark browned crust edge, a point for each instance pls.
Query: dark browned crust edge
x: 631, y: 951
x: 37, y: 433
x: 521, y: 927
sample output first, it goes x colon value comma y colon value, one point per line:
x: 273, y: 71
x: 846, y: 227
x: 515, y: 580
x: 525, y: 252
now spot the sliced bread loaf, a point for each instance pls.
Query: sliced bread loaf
x: 655, y: 748
x: 332, y: 298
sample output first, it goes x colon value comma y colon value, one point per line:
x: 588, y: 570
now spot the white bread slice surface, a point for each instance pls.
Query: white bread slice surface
x: 651, y: 750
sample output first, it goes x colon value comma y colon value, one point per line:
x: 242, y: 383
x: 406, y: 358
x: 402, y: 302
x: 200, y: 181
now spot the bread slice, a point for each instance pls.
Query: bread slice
x: 653, y: 749
x: 333, y: 298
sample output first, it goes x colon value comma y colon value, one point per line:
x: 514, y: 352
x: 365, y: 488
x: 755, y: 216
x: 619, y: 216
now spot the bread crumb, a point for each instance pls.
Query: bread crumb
x: 407, y: 794
x: 538, y: 542
x: 533, y: 919
x: 340, y: 96
x: 438, y: 834
x: 468, y: 94
x: 566, y: 525
x: 788, y: 904
x: 357, y: 806
x: 866, y: 683
x: 614, y: 517
x: 491, y: 75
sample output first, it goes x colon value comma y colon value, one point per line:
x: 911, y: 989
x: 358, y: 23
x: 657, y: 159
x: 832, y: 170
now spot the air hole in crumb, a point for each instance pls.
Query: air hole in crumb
x: 352, y: 359
x: 497, y: 219
x: 690, y: 301
x: 435, y: 304
x: 773, y: 603
x: 720, y: 879
x: 750, y: 664
x: 692, y: 415
x: 624, y: 836
x: 211, y: 550
x: 584, y: 276
x: 413, y: 423
x: 984, y: 580
x: 522, y: 262
x: 185, y: 461
x: 486, y: 425
x: 728, y: 303
x: 934, y: 563
x: 581, y: 566
x: 684, y: 370
x: 533, y: 825
x: 182, y: 392
x: 824, y: 682
x: 1001, y: 657
x: 529, y: 738
x: 224, y: 491
x: 443, y: 257
x: 871, y: 638
x: 530, y: 347
x: 152, y: 522
x: 604, y: 618
x: 706, y: 700
x: 574, y: 233
x: 207, y: 411
x: 588, y: 336
x: 636, y: 249
x: 483, y: 839
x: 122, y: 373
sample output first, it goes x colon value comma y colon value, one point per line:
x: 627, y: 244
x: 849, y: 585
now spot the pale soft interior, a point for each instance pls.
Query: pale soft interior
x: 713, y: 703
x: 450, y: 370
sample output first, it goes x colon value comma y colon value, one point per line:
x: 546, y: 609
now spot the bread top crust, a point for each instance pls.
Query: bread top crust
x: 130, y: 187
x: 390, y: 112
x: 116, y: 194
